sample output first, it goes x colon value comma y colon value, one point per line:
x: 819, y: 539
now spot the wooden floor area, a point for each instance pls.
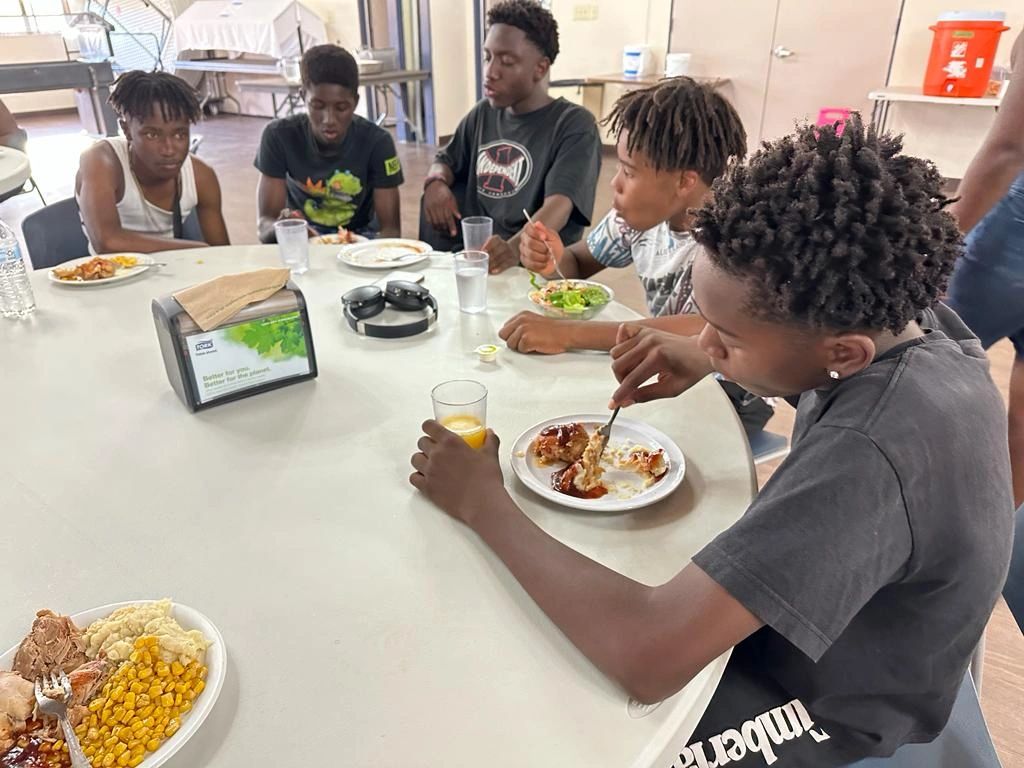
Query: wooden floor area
x: 229, y: 145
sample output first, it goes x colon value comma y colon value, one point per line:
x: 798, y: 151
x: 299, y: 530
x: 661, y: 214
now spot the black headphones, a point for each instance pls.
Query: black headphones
x: 369, y: 301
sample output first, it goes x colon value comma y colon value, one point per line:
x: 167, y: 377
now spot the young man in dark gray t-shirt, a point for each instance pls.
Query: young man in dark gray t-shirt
x: 516, y: 150
x: 857, y: 585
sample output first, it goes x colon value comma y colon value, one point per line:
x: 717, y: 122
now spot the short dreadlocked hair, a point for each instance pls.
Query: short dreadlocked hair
x: 329, y: 64
x: 682, y: 125
x: 136, y: 93
x: 537, y: 23
x: 833, y: 229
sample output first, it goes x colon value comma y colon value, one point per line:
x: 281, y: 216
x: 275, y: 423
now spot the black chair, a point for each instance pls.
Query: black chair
x: 54, y: 234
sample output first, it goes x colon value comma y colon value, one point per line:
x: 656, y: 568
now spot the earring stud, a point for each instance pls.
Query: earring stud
x: 834, y: 375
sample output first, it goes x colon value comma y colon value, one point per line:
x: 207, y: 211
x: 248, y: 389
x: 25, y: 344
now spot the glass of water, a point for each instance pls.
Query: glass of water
x: 471, y: 280
x: 293, y: 244
x: 476, y: 230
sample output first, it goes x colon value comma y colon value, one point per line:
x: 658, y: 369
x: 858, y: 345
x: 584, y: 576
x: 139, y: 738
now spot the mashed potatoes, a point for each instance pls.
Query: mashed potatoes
x: 116, y: 634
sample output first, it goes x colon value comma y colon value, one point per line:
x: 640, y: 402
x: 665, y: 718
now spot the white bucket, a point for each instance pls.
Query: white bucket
x: 677, y: 64
x: 637, y: 60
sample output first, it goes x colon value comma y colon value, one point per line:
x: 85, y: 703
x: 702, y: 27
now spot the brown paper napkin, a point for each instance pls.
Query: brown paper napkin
x: 215, y: 301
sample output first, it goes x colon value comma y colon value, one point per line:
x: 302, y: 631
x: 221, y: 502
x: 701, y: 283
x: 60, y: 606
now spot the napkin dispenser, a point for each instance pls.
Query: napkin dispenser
x: 266, y: 345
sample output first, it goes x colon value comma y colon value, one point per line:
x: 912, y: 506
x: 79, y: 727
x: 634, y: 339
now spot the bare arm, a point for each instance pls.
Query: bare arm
x: 531, y: 332
x: 99, y: 178
x: 442, y: 170
x: 387, y: 204
x: 652, y: 640
x: 536, y: 239
x: 553, y: 214
x: 211, y: 217
x: 440, y: 208
x: 1001, y: 157
x: 271, y: 198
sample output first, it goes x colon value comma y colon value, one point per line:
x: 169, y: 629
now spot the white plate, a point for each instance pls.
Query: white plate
x: 385, y: 253
x: 333, y: 240
x: 538, y: 478
x: 216, y: 666
x: 122, y: 273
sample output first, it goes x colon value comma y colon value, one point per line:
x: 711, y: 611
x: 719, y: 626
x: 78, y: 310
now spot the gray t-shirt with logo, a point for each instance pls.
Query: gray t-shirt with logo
x: 876, y: 552
x: 504, y: 163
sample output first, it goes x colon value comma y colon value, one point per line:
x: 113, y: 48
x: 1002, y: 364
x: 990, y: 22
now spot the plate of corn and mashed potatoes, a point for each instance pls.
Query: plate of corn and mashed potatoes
x: 144, y: 674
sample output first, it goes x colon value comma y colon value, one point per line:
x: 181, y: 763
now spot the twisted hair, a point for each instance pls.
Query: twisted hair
x: 680, y: 124
x: 537, y: 23
x: 833, y: 228
x: 135, y: 94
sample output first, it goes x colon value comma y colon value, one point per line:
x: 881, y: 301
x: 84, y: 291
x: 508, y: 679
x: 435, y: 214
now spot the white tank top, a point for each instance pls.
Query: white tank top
x: 135, y: 211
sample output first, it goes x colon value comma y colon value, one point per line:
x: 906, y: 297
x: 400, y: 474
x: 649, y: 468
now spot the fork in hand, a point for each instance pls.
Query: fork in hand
x: 551, y: 253
x: 605, y: 432
x: 53, y: 692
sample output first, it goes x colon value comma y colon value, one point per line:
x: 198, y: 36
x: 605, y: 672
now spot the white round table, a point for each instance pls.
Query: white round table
x: 364, y: 627
x: 14, y: 169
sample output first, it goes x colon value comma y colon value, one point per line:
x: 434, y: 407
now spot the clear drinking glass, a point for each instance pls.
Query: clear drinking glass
x: 461, y: 406
x: 471, y: 280
x: 293, y: 244
x: 476, y: 230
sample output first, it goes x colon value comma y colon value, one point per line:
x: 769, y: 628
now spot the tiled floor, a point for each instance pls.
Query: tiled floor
x: 229, y: 144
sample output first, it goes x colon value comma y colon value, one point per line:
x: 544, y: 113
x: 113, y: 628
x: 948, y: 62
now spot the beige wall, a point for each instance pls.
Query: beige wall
x: 595, y: 47
x: 948, y: 135
x: 18, y: 49
x: 451, y: 27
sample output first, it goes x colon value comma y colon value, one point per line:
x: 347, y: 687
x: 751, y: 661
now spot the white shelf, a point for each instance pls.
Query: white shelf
x: 913, y: 94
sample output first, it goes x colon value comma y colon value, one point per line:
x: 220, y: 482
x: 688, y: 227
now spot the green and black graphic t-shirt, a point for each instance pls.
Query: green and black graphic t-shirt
x: 333, y: 187
x: 508, y: 162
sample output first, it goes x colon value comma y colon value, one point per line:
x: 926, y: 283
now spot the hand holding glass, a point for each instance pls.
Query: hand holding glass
x: 461, y: 406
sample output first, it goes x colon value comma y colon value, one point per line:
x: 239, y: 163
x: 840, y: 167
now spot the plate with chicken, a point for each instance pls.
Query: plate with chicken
x: 561, y: 460
x: 138, y: 679
x: 101, y: 270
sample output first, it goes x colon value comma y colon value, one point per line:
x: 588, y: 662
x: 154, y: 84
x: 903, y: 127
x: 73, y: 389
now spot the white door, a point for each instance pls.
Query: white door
x: 826, y: 55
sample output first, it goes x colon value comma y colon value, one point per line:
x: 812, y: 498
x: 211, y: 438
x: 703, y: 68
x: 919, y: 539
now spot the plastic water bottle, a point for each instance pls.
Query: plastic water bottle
x: 16, y: 298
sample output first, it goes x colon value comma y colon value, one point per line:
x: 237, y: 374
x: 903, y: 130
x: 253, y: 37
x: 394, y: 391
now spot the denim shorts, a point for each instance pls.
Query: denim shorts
x: 987, y: 289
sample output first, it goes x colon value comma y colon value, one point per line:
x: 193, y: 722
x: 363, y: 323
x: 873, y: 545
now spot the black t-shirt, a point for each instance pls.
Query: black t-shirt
x: 509, y: 162
x: 333, y: 187
x: 876, y: 552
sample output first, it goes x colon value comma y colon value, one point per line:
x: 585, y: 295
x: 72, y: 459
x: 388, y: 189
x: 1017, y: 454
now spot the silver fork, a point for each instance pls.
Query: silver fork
x: 605, y: 432
x: 554, y: 261
x: 55, y: 705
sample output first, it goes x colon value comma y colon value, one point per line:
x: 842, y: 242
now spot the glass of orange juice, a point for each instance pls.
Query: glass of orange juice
x: 461, y: 406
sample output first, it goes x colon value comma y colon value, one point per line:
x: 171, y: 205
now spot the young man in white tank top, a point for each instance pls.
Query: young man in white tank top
x: 135, y: 192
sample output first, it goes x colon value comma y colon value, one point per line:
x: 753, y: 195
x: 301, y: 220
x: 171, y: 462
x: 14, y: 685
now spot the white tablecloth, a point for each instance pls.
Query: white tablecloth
x: 14, y: 169
x: 364, y: 627
x: 266, y: 27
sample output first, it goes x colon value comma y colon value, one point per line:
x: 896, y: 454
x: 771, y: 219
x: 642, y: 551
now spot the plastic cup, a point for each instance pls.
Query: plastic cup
x: 461, y: 406
x: 293, y: 244
x: 476, y: 230
x: 471, y: 280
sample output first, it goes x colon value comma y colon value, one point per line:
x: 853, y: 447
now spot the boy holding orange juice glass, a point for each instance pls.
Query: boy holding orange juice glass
x: 674, y: 139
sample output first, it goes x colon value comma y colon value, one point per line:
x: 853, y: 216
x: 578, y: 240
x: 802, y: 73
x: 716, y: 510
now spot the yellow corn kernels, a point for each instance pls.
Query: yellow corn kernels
x: 139, y: 707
